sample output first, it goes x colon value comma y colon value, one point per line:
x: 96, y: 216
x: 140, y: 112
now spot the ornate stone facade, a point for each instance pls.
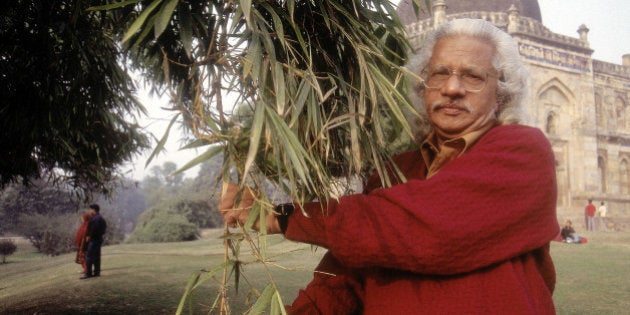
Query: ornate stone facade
x: 583, y: 105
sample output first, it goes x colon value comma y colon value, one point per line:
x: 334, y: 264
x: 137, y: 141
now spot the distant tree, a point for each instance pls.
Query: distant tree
x: 65, y: 97
x: 48, y: 215
x: 124, y: 206
x: 163, y: 224
x: 199, y: 212
x: 39, y: 198
x: 162, y: 183
x: 7, y: 247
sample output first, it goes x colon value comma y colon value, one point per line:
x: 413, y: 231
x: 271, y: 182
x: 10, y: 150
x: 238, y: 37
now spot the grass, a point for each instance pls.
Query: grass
x: 150, y: 278
x: 593, y: 278
x: 140, y: 278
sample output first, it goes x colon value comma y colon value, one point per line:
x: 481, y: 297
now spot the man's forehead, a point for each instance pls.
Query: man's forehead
x: 462, y: 50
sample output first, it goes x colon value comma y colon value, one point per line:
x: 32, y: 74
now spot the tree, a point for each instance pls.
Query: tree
x: 124, y: 206
x: 7, y: 248
x: 48, y: 216
x: 65, y: 97
x: 38, y: 198
x: 161, y: 183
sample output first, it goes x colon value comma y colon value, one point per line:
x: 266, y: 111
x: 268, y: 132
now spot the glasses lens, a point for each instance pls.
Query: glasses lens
x: 436, y: 77
x: 473, y: 79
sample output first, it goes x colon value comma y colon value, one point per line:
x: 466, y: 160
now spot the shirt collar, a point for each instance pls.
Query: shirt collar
x: 457, y: 146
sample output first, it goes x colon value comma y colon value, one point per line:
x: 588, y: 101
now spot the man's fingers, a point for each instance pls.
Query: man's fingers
x: 234, y: 214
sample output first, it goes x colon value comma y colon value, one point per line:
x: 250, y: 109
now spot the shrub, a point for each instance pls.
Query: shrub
x: 7, y: 247
x: 50, y: 234
x: 164, y: 226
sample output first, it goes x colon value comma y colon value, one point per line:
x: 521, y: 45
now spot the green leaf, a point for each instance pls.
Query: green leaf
x: 277, y: 306
x: 192, y: 281
x: 255, y: 135
x: 212, y: 152
x: 135, y: 26
x: 113, y: 5
x: 160, y: 145
x: 185, y: 29
x: 246, y: 6
x: 263, y: 300
x: 164, y: 17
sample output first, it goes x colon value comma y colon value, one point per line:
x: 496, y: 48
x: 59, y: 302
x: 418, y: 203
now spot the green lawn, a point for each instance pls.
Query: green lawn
x: 593, y: 278
x: 150, y: 278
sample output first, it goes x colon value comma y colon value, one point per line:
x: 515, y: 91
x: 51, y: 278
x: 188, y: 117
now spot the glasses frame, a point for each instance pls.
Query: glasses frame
x: 424, y: 74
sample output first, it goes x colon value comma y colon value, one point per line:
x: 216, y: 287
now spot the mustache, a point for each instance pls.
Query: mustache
x: 462, y: 105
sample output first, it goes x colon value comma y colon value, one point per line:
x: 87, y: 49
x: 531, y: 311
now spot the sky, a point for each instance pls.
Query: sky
x: 609, y: 37
x: 607, y: 20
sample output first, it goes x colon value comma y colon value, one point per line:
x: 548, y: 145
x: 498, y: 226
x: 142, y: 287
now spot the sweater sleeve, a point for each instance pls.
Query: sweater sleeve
x: 493, y: 203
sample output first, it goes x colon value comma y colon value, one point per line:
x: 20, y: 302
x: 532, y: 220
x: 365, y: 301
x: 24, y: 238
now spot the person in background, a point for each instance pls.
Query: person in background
x: 568, y: 233
x: 589, y: 213
x: 79, y: 241
x: 94, y: 236
x: 468, y: 230
x: 601, y: 213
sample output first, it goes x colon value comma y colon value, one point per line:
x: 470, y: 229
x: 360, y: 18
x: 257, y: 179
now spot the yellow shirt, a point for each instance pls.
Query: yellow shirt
x: 436, y: 155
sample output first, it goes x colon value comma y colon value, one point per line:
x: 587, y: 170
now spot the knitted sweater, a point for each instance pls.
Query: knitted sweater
x: 473, y: 239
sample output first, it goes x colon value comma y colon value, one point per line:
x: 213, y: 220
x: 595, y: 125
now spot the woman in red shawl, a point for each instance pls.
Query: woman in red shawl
x: 79, y: 240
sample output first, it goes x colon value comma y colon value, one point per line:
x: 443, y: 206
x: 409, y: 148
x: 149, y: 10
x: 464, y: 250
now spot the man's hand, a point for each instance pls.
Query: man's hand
x: 237, y: 214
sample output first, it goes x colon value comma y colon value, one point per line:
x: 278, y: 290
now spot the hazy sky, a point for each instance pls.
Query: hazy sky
x: 609, y: 36
x: 607, y: 20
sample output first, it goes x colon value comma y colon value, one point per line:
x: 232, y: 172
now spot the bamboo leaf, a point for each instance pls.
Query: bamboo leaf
x: 160, y: 145
x: 256, y: 133
x: 212, y: 152
x: 192, y: 280
x: 277, y: 306
x: 185, y: 29
x: 164, y: 17
x: 113, y: 5
x: 135, y: 26
x: 279, y: 87
x: 196, y: 144
x: 246, y: 6
x: 263, y: 300
x: 207, y: 275
x: 254, y: 215
x: 145, y: 32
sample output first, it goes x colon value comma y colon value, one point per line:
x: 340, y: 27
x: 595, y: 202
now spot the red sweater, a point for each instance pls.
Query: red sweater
x: 473, y: 239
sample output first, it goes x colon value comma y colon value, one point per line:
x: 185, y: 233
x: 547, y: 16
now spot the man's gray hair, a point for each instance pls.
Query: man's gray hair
x: 513, y: 77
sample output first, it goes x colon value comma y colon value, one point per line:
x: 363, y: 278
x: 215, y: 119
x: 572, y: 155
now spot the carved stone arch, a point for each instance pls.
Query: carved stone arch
x: 555, y: 98
x: 557, y: 83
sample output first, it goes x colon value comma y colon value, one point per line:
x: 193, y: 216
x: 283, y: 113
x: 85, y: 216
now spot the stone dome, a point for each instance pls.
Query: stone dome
x: 527, y: 8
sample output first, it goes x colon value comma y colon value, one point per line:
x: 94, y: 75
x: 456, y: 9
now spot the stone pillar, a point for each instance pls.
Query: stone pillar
x: 439, y: 13
x: 583, y: 31
x: 625, y: 60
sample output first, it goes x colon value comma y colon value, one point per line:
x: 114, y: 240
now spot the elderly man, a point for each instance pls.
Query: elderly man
x: 469, y: 230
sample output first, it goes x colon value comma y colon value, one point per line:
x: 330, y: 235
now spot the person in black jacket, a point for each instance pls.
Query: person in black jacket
x: 94, y: 237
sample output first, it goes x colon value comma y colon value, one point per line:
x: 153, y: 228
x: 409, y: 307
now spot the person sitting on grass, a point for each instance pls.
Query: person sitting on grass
x: 568, y: 234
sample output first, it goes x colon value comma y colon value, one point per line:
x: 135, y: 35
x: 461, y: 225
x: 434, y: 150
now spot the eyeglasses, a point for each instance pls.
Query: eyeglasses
x: 473, y: 79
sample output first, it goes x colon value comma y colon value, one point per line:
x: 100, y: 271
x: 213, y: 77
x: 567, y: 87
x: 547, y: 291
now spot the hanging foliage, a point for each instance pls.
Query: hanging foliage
x: 297, y: 93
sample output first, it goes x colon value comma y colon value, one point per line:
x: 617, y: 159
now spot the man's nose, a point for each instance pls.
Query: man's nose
x: 453, y: 86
